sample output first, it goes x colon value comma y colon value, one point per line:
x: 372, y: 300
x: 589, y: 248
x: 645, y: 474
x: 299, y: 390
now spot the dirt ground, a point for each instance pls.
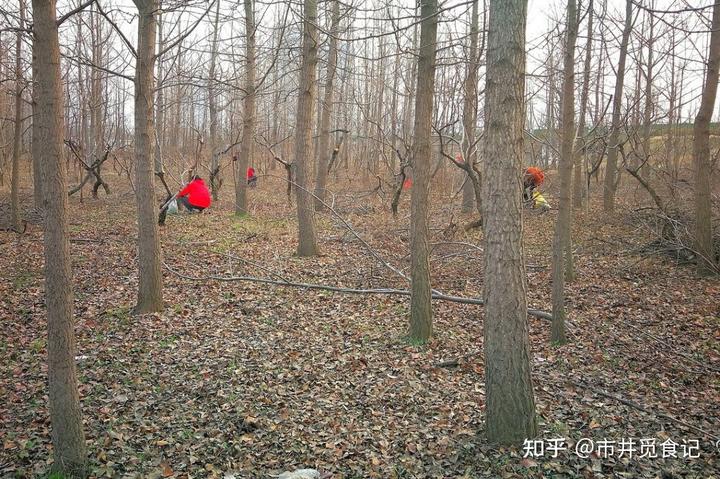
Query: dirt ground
x: 246, y: 380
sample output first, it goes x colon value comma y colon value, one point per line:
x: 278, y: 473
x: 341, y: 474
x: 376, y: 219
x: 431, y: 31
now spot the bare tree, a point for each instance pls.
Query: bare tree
x: 248, y: 136
x: 550, y: 133
x: 150, y: 281
x: 584, y: 94
x: 562, y: 225
x: 510, y: 412
x: 471, y: 184
x: 160, y: 103
x: 215, y: 180
x: 65, y: 416
x: 611, y: 169
x: 307, y: 242
x: 17, y: 134
x: 648, y: 109
x: 706, y: 261
x: 323, y: 153
x: 420, y: 305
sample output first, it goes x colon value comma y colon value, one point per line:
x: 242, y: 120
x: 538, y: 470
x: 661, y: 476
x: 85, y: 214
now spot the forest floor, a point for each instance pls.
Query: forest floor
x: 245, y: 380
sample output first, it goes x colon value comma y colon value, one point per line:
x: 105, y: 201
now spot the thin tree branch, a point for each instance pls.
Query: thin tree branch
x: 72, y: 12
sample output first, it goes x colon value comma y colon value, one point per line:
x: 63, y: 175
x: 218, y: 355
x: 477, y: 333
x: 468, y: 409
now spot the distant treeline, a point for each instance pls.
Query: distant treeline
x: 659, y: 129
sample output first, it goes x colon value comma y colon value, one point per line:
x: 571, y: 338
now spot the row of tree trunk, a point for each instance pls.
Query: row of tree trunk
x: 510, y: 400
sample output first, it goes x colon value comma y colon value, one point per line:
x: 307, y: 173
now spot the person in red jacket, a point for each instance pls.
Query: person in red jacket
x: 195, y: 196
x: 251, y: 178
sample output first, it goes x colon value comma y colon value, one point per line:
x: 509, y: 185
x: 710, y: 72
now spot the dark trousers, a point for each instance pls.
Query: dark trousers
x: 186, y: 203
x: 527, y: 192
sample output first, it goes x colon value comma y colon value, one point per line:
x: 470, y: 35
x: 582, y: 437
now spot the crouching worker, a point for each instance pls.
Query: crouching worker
x: 195, y: 196
x: 533, y: 178
x: 539, y: 201
x: 251, y: 177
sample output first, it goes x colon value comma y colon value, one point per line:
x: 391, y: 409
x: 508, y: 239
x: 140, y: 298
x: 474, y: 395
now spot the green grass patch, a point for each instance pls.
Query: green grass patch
x: 415, y: 342
x: 121, y: 314
x: 24, y: 313
x: 37, y: 345
x: 23, y: 280
x: 169, y: 342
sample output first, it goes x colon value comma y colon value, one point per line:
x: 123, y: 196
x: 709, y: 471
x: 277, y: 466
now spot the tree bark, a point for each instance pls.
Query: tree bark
x: 670, y: 140
x: 160, y: 105
x: 420, y: 307
x: 562, y: 224
x: 35, y: 146
x: 580, y: 153
x: 70, y: 457
x: 648, y: 109
x: 307, y: 242
x: 510, y: 411
x: 323, y: 154
x: 150, y: 280
x: 470, y: 114
x: 611, y: 169
x: 96, y: 132
x: 247, y: 147
x: 394, y: 114
x: 215, y: 181
x: 379, y: 88
x: 17, y: 133
x: 706, y: 261
x: 549, y: 156
x: 410, y: 95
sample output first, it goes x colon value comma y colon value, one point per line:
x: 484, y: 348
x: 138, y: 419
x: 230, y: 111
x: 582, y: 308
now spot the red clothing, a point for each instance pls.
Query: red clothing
x: 534, y: 176
x: 250, y: 172
x: 197, y: 193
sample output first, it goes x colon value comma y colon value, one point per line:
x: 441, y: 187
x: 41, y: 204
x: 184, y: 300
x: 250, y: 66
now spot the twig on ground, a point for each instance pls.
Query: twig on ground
x: 639, y: 407
x: 338, y: 289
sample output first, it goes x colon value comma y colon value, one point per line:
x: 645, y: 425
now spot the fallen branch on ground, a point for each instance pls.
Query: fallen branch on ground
x: 339, y: 289
x: 473, y: 224
x: 639, y: 407
x: 12, y: 229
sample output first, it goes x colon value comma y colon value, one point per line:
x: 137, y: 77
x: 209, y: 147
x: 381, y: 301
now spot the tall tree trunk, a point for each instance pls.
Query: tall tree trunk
x: 212, y: 103
x: 275, y: 118
x: 150, y: 284
x: 307, y: 242
x: 562, y: 225
x: 580, y: 151
x: 35, y: 151
x: 550, y: 109
x: 611, y: 169
x: 648, y: 109
x: 394, y: 114
x: 36, y: 146
x: 410, y: 95
x: 470, y: 113
x: 179, y: 100
x: 379, y: 107
x: 420, y: 290
x: 248, y: 136
x: 67, y: 435
x: 510, y: 411
x: 96, y: 100
x: 160, y: 105
x: 670, y: 141
x: 706, y: 261
x: 323, y: 153
x: 17, y: 133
